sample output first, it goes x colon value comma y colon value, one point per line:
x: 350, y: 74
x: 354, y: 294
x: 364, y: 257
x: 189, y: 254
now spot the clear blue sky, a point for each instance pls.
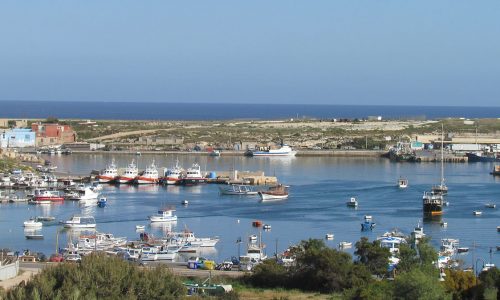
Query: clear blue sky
x: 424, y: 52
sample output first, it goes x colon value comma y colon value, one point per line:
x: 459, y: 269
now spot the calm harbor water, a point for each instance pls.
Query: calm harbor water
x: 320, y: 186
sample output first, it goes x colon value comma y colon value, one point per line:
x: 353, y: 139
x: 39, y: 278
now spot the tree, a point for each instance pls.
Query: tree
x: 459, y: 284
x: 373, y: 256
x: 416, y: 284
x: 269, y: 274
x: 320, y: 268
x: 100, y: 277
x: 51, y: 120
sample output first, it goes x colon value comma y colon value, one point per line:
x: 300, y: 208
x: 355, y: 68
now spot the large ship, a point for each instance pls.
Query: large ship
x: 149, y: 176
x: 130, y: 174
x: 433, y: 204
x: 284, y: 150
x: 109, y: 174
x: 483, y: 156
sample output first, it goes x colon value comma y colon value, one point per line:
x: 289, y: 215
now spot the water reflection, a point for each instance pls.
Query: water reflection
x: 164, y: 227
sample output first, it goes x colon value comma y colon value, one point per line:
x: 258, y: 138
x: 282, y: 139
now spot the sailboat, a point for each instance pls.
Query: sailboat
x: 441, y: 189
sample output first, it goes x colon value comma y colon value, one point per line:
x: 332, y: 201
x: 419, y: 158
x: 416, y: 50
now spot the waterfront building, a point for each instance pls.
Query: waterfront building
x: 53, y: 134
x: 17, y: 138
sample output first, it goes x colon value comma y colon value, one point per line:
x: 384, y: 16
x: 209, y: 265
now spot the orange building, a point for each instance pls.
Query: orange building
x: 53, y: 134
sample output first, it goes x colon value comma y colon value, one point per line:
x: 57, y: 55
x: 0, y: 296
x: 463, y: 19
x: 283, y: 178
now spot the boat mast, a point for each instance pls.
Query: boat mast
x: 442, y: 155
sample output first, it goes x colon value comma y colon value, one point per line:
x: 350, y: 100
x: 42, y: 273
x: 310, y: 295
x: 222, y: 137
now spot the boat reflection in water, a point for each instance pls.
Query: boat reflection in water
x: 164, y: 227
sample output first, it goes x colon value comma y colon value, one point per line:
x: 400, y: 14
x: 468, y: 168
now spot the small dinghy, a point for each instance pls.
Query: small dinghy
x: 102, y: 202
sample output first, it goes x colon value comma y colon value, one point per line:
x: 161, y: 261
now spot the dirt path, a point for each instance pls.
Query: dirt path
x: 25, y: 275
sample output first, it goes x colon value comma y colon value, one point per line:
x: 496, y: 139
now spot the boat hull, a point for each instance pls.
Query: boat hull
x: 158, y: 219
x: 264, y: 196
x: 146, y: 180
x: 106, y: 179
x: 191, y: 181
x: 125, y: 180
x: 472, y: 157
x: 49, y: 199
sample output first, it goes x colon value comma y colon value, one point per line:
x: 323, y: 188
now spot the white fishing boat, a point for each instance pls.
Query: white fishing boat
x: 344, y: 245
x: 173, y: 175
x: 109, y: 174
x: 80, y: 222
x: 47, y: 196
x: 279, y: 192
x: 266, y: 227
x: 140, y: 227
x: 490, y: 205
x: 352, y: 202
x: 129, y: 174
x: 255, y: 252
x: 403, y: 183
x: 477, y: 213
x: 284, y: 150
x: 418, y: 232
x: 150, y: 175
x: 329, y: 236
x: 88, y: 194
x: 237, y: 189
x: 188, y: 236
x: 32, y: 223
x: 164, y: 215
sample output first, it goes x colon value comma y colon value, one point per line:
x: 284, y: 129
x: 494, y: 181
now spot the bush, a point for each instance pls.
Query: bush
x: 100, y: 277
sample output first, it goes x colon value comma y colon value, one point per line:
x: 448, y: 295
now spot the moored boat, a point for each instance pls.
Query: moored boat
x: 402, y: 183
x: 284, y: 150
x: 483, y: 156
x: 237, y: 189
x: 32, y: 223
x: 164, y: 215
x: 129, y: 174
x: 47, y: 196
x: 173, y: 175
x: 432, y: 204
x: 279, y: 192
x: 80, y: 222
x: 193, y: 176
x: 109, y: 174
x: 496, y: 170
x: 352, y: 202
x: 150, y: 175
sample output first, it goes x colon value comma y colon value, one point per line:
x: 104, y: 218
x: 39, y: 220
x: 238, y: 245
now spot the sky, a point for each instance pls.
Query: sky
x: 424, y: 52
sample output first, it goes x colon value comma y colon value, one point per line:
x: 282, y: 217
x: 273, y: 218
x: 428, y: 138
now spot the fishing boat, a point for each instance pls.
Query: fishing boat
x: 102, y: 202
x: 490, y: 205
x: 329, y: 236
x: 173, y: 175
x: 33, y: 236
x: 86, y: 195
x: 32, y: 223
x: 185, y: 202
x: 109, y: 174
x: 402, y: 183
x: 284, y: 150
x: 432, y: 204
x: 418, y: 232
x: 237, y: 189
x: 140, y: 227
x: 193, y: 176
x: 352, y: 202
x: 150, y: 175
x: 367, y: 225
x: 80, y: 222
x: 164, y: 215
x: 444, y: 224
x: 462, y: 249
x: 441, y: 188
x: 252, y: 238
x: 477, y: 213
x: 344, y: 245
x: 279, y: 192
x: 47, y: 196
x: 130, y: 173
x: 266, y: 227
x: 45, y: 219
x: 189, y: 237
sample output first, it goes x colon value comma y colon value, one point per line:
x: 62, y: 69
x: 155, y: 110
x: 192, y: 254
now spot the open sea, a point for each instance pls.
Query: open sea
x: 320, y: 187
x: 220, y: 111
